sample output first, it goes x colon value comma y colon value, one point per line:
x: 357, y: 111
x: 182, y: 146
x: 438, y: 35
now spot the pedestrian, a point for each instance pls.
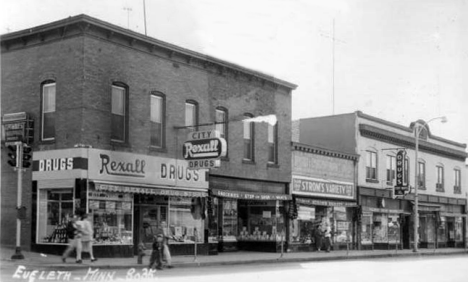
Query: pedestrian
x: 167, y: 259
x: 87, y: 236
x: 318, y: 234
x: 157, y: 253
x: 74, y: 240
x: 328, y: 235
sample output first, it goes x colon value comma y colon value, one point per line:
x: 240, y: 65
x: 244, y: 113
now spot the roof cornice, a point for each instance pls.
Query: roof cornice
x: 380, y: 134
x: 84, y: 23
x: 296, y: 146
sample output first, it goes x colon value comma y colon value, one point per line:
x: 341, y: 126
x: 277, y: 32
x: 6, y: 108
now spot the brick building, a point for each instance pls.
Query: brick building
x: 112, y: 109
x: 386, y: 219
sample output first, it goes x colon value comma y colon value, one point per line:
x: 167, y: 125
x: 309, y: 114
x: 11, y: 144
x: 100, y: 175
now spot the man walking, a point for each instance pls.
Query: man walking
x: 74, y: 240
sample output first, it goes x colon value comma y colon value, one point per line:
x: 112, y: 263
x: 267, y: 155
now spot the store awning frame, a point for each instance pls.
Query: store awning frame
x: 242, y: 195
x: 150, y: 190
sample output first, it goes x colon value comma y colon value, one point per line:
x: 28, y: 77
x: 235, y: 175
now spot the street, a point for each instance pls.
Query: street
x: 428, y: 269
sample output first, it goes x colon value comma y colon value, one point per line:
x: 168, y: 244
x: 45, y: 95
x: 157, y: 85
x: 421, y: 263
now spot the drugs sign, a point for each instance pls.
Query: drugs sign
x: 203, y: 149
x: 400, y: 187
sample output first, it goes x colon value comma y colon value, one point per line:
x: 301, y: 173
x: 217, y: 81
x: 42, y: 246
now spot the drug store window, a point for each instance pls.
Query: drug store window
x: 112, y: 215
x: 55, y: 209
x: 185, y: 220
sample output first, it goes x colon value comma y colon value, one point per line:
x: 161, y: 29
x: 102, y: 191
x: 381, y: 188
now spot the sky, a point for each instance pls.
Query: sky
x: 397, y: 60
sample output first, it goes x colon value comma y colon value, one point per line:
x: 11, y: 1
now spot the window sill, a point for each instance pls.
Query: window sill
x: 440, y: 190
x: 272, y: 165
x: 47, y: 142
x: 120, y: 144
x: 157, y: 149
x: 244, y: 161
x: 370, y: 180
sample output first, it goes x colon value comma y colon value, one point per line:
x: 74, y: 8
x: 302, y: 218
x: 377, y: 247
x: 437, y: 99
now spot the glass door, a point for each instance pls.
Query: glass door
x: 154, y: 221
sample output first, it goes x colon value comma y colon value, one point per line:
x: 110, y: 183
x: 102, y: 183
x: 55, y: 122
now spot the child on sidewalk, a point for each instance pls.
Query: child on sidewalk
x: 157, y: 253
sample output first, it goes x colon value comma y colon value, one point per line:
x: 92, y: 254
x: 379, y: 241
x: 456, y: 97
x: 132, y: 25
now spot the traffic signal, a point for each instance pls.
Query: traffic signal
x: 27, y: 156
x: 13, y: 155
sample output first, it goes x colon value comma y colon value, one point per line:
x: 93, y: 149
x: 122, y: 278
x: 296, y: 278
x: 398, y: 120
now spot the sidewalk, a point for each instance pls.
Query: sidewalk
x: 45, y: 261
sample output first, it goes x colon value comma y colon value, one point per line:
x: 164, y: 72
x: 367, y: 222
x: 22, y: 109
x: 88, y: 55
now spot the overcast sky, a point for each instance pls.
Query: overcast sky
x: 395, y: 59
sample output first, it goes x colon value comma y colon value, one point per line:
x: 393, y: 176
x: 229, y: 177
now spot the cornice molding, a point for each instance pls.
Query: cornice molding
x: 83, y: 24
x: 380, y: 134
x: 323, y: 151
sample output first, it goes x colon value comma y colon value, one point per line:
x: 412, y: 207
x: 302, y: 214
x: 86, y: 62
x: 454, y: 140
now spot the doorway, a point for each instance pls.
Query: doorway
x: 153, y: 220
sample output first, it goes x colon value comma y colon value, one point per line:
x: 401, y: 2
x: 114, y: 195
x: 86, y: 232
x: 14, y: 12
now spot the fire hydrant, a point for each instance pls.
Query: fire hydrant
x: 141, y: 253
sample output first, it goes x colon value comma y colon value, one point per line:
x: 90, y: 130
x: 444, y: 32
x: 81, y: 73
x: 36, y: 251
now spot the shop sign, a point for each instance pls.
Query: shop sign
x: 203, y: 149
x: 323, y: 188
x: 327, y: 203
x: 18, y: 127
x: 150, y: 191
x: 250, y: 196
x: 380, y: 210
x: 124, y: 167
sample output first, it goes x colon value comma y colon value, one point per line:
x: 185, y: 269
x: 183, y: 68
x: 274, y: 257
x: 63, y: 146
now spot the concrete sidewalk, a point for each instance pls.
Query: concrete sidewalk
x: 46, y: 261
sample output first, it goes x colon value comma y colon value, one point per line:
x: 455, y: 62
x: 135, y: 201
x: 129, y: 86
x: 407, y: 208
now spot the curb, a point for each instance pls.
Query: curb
x: 71, y: 266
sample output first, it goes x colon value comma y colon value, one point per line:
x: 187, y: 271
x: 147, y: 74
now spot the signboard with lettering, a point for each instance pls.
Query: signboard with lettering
x: 131, y: 168
x: 203, y: 149
x: 323, y: 188
x: 400, y: 188
x: 250, y: 195
x: 18, y: 127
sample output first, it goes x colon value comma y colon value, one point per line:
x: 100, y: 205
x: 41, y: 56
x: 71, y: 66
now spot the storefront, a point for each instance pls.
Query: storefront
x: 441, y: 225
x: 248, y: 215
x: 129, y: 198
x: 321, y: 203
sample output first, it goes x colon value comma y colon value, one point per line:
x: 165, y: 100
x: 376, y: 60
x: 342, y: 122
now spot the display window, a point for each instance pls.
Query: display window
x: 229, y: 220
x: 261, y: 221
x: 55, y: 210
x: 212, y: 222
x: 302, y: 227
x: 185, y: 222
x: 112, y: 215
x: 427, y: 229
x: 154, y: 219
x: 442, y: 230
x: 394, y: 229
x: 380, y: 228
x: 366, y: 228
x: 458, y: 229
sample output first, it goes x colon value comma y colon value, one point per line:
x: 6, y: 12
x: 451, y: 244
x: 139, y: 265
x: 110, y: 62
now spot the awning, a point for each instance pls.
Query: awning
x: 427, y: 207
x: 250, y: 195
x: 328, y: 203
x: 150, y: 190
x: 447, y: 214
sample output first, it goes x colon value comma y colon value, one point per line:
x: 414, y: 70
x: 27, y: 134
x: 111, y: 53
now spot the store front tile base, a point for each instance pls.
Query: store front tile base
x: 98, y: 251
x: 258, y: 246
x: 188, y: 249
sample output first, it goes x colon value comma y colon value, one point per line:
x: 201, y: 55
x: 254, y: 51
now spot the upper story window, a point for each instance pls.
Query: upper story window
x: 391, y: 169
x: 440, y: 178
x: 119, y: 113
x: 48, y: 111
x: 421, y: 175
x: 248, y: 138
x: 157, y: 120
x: 191, y: 114
x: 371, y: 165
x: 221, y: 121
x: 457, y: 181
x: 273, y: 143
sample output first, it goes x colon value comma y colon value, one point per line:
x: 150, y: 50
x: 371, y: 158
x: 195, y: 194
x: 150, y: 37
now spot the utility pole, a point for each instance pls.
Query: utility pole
x: 333, y: 39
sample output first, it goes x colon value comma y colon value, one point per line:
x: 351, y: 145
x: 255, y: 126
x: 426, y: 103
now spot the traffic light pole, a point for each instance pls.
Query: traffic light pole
x: 19, y: 170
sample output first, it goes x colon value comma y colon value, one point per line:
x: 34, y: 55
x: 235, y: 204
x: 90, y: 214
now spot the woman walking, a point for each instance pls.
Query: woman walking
x: 87, y: 236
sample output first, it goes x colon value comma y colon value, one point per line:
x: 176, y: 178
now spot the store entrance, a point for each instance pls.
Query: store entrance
x: 152, y: 220
x: 406, y: 231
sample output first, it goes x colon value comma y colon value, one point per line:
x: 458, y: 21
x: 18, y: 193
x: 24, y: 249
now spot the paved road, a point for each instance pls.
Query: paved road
x: 427, y: 269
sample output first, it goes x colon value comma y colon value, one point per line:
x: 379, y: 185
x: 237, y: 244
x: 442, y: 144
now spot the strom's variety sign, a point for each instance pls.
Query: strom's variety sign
x: 203, y: 149
x: 323, y: 188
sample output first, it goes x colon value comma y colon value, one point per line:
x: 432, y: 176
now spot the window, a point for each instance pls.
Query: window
x: 55, y: 210
x: 371, y: 165
x: 191, y: 114
x: 119, y: 113
x: 48, y: 111
x: 391, y: 169
x: 248, y: 139
x: 421, y: 175
x: 273, y: 143
x: 457, y: 184
x: 221, y: 122
x: 157, y: 137
x: 440, y: 178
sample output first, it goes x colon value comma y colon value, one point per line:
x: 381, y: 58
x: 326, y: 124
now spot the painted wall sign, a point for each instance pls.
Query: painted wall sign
x: 121, y: 167
x: 323, y: 188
